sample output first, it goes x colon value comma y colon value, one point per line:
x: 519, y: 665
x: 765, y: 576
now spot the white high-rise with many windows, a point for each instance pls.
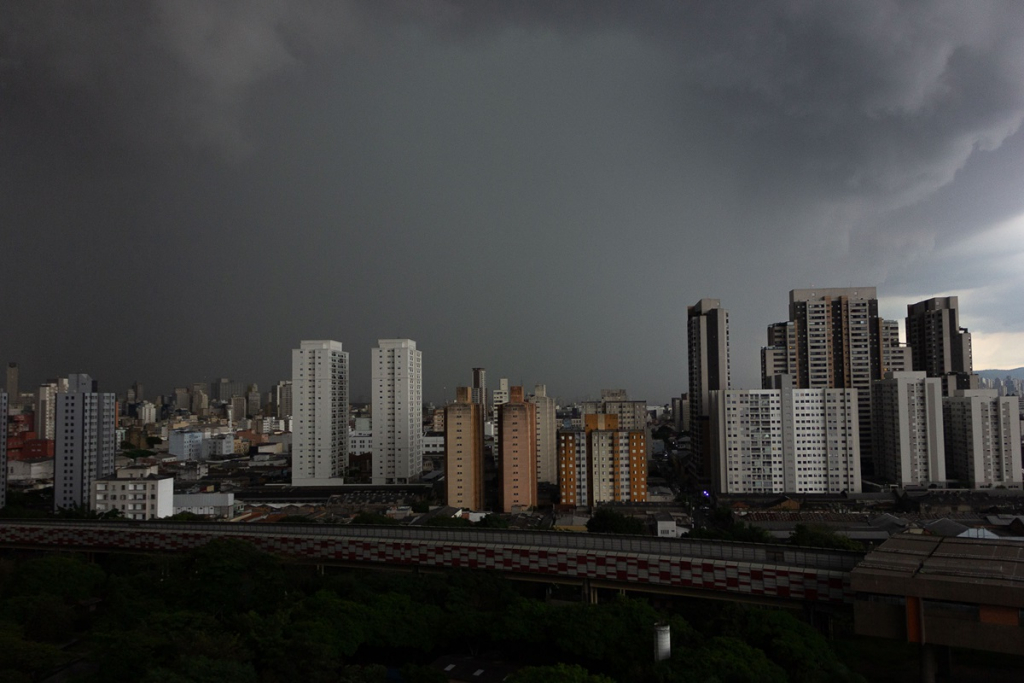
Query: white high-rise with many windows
x: 85, y: 446
x: 909, y: 436
x: 785, y: 440
x: 320, y: 413
x: 397, y: 412
x: 982, y: 438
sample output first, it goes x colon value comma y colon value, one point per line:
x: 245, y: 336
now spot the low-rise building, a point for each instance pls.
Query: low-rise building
x: 30, y: 470
x: 186, y: 444
x: 137, y: 491
x: 218, y: 446
x: 217, y: 505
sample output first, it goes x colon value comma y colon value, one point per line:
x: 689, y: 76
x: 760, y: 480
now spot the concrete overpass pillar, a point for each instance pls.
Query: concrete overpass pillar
x: 929, y: 663
x: 589, y: 593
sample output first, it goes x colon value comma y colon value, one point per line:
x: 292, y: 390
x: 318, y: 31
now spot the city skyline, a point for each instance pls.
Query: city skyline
x: 362, y: 383
x: 190, y: 189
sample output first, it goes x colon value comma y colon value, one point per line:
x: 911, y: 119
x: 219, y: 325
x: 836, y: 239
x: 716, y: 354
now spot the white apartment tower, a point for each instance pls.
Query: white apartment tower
x: 772, y: 441
x: 547, y: 435
x: 499, y: 396
x: 397, y: 412
x: 909, y: 440
x: 46, y: 410
x: 85, y: 445
x: 982, y: 432
x: 320, y: 419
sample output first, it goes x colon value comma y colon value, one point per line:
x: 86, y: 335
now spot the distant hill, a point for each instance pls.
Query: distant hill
x: 1017, y: 373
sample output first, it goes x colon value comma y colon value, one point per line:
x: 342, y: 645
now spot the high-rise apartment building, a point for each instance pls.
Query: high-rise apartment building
x: 320, y: 418
x: 517, y: 453
x: 46, y: 410
x: 908, y: 429
x: 464, y: 451
x: 182, y: 398
x: 982, y: 438
x: 12, y: 383
x: 940, y: 347
x: 602, y: 463
x: 632, y: 415
x: 707, y: 334
x: 785, y: 440
x: 547, y: 435
x: 85, y: 446
x: 146, y: 413
x: 499, y: 396
x: 253, y: 401
x: 224, y: 388
x: 397, y: 412
x: 480, y: 389
x: 835, y: 339
x: 283, y: 399
x: 200, y: 403
x: 238, y: 408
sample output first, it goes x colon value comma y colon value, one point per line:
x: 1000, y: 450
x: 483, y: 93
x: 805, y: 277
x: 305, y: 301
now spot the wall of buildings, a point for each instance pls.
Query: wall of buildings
x: 772, y: 441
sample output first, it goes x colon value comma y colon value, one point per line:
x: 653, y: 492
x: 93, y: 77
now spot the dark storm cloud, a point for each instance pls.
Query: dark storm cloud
x: 538, y: 187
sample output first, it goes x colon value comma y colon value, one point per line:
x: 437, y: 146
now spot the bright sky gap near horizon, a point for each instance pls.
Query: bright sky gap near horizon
x: 188, y: 189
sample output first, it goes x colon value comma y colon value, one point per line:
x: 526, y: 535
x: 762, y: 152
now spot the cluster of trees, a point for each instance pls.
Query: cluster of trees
x: 229, y: 613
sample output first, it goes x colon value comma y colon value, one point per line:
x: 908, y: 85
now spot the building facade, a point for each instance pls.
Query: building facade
x: 137, y: 492
x: 86, y: 423
x: 517, y: 453
x: 982, y: 438
x: 480, y: 389
x: 464, y: 451
x: 785, y: 440
x: 320, y: 419
x: 940, y: 347
x: 283, y: 399
x: 13, y: 386
x: 499, y: 396
x: 547, y: 435
x: 602, y: 463
x: 186, y: 444
x: 909, y: 439
x: 707, y: 334
x: 397, y: 412
x: 835, y: 339
x: 46, y: 410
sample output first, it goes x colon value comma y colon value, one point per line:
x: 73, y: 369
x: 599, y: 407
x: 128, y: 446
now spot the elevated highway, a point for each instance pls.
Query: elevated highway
x: 712, y: 569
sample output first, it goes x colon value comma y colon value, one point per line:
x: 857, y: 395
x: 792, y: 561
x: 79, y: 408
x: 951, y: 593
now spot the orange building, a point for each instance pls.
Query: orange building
x: 517, y: 453
x: 602, y: 463
x: 464, y: 451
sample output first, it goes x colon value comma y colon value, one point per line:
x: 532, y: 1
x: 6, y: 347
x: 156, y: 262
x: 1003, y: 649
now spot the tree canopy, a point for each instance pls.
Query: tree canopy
x: 605, y: 520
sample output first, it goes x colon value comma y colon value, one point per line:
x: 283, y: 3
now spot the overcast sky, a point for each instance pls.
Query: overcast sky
x: 187, y: 189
